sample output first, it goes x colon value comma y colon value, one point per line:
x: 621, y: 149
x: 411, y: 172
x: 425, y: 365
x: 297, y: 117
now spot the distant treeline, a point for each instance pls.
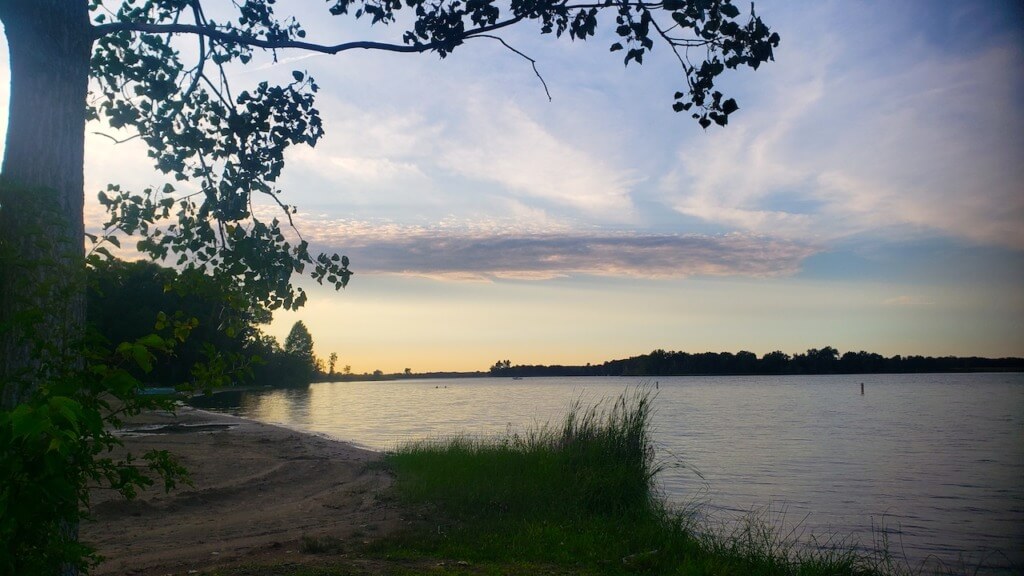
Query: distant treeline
x: 826, y: 360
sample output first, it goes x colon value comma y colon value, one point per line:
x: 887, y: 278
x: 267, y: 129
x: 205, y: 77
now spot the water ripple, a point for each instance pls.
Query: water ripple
x: 932, y: 463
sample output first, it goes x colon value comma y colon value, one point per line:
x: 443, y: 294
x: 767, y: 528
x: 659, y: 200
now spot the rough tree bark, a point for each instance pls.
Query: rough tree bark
x: 41, y: 224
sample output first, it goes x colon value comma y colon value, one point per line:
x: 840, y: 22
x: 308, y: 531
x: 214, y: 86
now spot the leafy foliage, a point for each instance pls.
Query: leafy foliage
x: 225, y: 346
x: 58, y: 445
x: 231, y: 145
x: 59, y: 442
x: 124, y: 300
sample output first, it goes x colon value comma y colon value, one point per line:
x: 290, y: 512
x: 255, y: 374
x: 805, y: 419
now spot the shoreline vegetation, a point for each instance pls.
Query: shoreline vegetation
x: 576, y: 497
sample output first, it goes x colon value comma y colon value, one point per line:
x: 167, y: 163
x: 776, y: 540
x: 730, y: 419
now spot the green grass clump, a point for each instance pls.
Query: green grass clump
x: 581, y: 492
x: 580, y: 495
x: 597, y: 464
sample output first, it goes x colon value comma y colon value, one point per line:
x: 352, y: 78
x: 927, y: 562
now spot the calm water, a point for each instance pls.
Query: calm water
x: 934, y: 461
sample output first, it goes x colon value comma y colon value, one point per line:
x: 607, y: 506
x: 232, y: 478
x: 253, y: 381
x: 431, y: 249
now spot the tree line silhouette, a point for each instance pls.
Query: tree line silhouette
x: 825, y: 360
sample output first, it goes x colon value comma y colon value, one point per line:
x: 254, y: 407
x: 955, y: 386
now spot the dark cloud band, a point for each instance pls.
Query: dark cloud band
x: 436, y: 253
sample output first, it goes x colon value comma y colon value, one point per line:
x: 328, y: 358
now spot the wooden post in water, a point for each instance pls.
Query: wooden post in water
x: 861, y: 388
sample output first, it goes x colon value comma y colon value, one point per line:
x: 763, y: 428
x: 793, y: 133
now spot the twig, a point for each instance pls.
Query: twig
x: 531, y: 60
x: 116, y: 141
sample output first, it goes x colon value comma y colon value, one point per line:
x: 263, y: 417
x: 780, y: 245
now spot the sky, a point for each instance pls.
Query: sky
x: 868, y: 195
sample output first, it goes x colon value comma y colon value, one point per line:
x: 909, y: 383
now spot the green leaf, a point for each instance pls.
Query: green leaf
x: 298, y: 76
x: 152, y: 341
x: 143, y: 358
x: 27, y: 422
x: 120, y: 383
x: 55, y: 445
x: 68, y: 408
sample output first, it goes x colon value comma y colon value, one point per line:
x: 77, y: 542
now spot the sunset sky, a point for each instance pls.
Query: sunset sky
x: 868, y: 195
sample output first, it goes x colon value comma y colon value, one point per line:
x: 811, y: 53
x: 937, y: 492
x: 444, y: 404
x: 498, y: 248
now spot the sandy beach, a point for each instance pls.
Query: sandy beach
x: 258, y: 490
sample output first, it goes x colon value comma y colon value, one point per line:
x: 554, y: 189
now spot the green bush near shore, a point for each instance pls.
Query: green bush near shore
x: 582, y: 497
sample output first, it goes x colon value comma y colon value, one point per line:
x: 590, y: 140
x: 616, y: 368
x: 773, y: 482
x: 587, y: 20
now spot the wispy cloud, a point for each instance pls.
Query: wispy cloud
x: 491, y: 250
x: 855, y: 140
x: 500, y: 144
x: 367, y: 149
x: 491, y: 157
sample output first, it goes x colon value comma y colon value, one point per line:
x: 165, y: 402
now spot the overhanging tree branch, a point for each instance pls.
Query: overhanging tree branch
x: 235, y: 38
x: 208, y: 31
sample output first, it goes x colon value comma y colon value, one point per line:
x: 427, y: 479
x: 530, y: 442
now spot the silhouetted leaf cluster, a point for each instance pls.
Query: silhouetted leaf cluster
x: 225, y: 341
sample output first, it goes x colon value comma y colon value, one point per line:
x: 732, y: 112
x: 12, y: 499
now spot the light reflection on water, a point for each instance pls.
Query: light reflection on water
x: 938, y: 457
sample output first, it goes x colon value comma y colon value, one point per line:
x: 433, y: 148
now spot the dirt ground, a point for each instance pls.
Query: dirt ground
x: 258, y: 490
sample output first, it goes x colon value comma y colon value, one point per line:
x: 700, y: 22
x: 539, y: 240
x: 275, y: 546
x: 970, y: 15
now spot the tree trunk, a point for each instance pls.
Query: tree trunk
x: 41, y: 191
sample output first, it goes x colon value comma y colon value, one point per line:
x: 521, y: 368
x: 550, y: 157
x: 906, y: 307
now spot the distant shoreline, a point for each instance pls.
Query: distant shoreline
x: 528, y: 371
x: 823, y: 361
x: 815, y: 361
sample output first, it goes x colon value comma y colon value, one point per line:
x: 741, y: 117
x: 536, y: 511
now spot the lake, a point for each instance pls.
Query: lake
x: 933, y: 462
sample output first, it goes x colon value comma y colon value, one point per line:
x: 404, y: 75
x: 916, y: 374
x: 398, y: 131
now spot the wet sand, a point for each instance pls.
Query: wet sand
x: 258, y: 490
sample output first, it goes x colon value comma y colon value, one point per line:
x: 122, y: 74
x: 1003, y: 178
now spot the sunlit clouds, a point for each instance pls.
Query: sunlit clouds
x: 501, y: 251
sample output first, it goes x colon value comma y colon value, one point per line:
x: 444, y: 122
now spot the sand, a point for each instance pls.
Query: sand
x: 258, y: 490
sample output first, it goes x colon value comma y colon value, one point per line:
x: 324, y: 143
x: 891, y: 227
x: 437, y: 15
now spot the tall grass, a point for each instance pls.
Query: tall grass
x: 599, y: 462
x: 554, y: 493
x: 581, y: 495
